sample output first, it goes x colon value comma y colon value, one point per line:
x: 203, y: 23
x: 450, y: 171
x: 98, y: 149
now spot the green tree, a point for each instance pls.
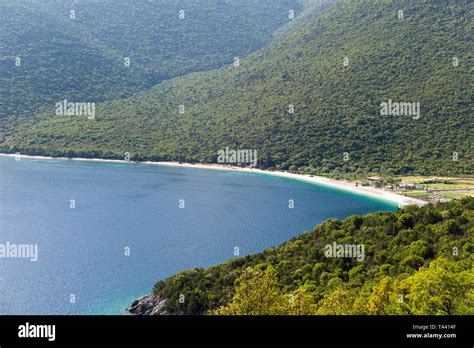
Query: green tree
x: 256, y: 293
x: 301, y: 303
x: 380, y: 297
x: 337, y: 302
x: 441, y: 289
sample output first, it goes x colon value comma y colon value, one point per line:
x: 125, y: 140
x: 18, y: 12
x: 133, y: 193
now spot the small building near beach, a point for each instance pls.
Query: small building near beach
x: 375, y: 179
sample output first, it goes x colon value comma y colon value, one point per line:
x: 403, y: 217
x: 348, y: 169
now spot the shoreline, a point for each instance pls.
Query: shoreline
x: 344, y: 185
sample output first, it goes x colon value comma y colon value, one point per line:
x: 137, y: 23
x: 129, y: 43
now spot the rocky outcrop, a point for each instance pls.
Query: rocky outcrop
x: 149, y: 305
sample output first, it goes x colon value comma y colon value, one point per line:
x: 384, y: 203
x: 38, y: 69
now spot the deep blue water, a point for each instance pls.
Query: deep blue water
x: 81, y: 250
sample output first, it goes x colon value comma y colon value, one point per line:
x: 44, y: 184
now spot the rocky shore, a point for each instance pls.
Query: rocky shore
x: 148, y: 305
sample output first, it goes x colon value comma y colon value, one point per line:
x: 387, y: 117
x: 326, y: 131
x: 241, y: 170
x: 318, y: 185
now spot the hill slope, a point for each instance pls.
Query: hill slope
x: 417, y: 261
x: 337, y: 124
x: 83, y: 58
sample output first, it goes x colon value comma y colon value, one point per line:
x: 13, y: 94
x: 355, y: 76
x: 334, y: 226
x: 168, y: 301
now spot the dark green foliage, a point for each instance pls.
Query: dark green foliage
x: 301, y: 261
x: 82, y: 59
x: 337, y: 108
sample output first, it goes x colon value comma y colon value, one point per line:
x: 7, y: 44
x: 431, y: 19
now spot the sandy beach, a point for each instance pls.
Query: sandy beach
x: 374, y: 192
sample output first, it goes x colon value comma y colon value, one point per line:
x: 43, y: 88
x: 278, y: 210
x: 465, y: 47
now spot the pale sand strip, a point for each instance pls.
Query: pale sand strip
x: 400, y: 200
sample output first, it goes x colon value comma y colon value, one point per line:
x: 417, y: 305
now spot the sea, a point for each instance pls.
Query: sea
x: 82, y: 237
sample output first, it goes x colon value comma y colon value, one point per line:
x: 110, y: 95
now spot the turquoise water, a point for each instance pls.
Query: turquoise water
x: 81, y: 250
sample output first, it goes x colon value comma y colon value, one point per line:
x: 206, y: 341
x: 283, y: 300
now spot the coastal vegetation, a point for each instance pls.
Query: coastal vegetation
x: 308, y: 102
x: 417, y: 261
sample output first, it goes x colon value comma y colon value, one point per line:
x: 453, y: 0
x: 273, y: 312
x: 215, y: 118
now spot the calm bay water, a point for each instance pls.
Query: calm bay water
x: 81, y: 251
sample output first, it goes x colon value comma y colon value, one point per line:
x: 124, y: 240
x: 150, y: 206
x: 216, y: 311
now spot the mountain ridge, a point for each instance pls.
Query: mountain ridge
x: 83, y: 57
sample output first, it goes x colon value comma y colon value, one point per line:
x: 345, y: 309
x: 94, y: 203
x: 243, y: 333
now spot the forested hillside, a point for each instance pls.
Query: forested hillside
x: 417, y: 261
x: 310, y: 101
x: 81, y: 55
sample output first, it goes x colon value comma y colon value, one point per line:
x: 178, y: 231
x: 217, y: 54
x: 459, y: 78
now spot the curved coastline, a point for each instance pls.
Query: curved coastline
x: 344, y: 185
x: 151, y: 304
